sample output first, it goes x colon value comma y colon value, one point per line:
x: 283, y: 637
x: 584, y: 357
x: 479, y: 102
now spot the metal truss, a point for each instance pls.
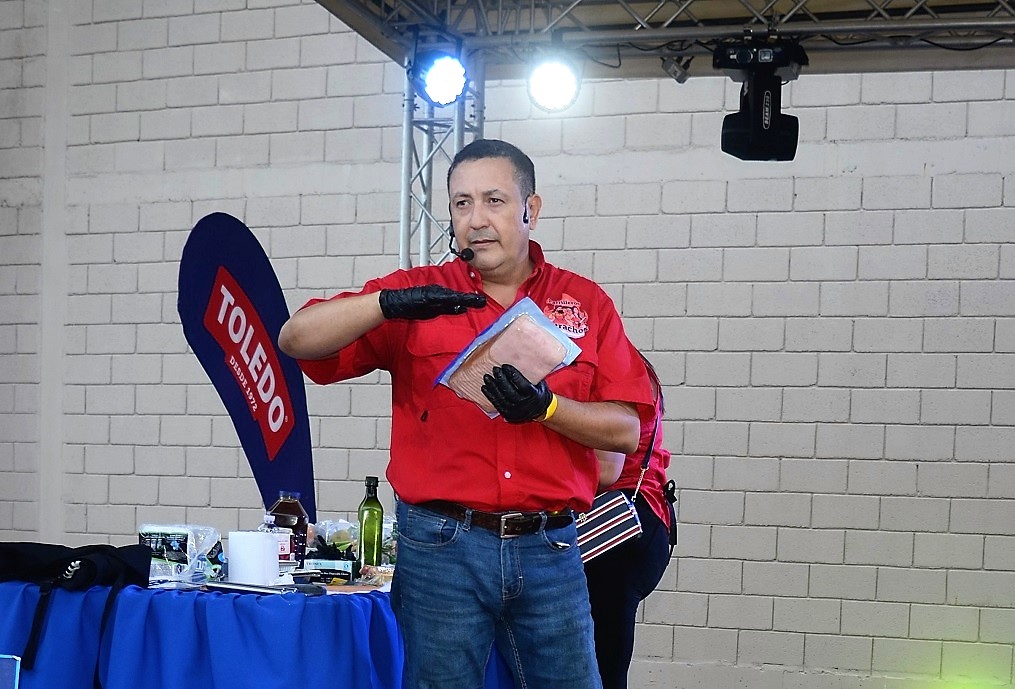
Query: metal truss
x: 628, y: 38
x: 497, y: 39
x: 430, y: 138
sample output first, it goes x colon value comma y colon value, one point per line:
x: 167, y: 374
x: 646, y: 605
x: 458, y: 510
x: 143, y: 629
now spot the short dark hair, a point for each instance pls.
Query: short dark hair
x: 525, y: 171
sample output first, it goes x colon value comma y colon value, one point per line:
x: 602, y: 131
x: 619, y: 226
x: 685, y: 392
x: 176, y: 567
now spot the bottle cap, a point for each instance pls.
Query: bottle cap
x: 371, y: 481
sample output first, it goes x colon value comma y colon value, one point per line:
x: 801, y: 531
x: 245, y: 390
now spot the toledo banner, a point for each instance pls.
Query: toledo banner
x: 231, y: 306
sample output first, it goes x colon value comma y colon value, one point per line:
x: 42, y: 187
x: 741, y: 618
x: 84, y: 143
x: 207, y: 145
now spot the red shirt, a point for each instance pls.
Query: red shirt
x: 447, y: 448
x: 655, y: 475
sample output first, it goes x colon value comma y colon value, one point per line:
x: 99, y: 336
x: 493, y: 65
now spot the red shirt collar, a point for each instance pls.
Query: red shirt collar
x: 536, y: 254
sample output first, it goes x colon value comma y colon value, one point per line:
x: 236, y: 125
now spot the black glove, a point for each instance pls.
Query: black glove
x: 514, y: 396
x: 427, y: 301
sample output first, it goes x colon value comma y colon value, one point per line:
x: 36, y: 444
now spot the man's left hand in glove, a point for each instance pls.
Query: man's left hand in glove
x: 516, y: 398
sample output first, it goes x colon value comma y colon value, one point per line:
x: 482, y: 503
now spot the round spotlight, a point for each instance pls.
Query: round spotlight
x: 438, y: 77
x: 553, y: 85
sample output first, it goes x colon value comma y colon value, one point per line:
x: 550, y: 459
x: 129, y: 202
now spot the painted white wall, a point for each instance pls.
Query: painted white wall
x: 836, y: 334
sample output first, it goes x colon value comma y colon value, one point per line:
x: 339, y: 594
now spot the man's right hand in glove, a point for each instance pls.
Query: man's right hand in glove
x: 427, y: 301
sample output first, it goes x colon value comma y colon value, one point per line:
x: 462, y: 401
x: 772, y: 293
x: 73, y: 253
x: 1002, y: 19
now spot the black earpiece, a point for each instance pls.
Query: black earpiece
x: 525, y: 215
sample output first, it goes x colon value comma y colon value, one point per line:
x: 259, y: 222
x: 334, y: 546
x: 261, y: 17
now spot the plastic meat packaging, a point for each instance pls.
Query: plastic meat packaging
x: 183, y: 552
x: 523, y: 337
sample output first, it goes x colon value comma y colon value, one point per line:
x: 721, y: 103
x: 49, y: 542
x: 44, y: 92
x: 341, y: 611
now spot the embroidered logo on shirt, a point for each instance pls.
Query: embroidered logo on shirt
x: 567, y: 314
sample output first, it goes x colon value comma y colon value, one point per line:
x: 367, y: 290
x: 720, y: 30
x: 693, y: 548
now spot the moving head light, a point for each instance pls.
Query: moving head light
x: 760, y: 131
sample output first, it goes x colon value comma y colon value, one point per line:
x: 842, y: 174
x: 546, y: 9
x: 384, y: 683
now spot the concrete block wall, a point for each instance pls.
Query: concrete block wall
x: 22, y: 83
x: 836, y: 334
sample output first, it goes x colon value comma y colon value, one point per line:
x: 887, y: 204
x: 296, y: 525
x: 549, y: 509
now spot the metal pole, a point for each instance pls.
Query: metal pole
x: 479, y: 97
x: 405, y: 216
x: 426, y: 187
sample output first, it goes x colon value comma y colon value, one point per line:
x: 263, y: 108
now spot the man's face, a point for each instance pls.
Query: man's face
x: 487, y: 208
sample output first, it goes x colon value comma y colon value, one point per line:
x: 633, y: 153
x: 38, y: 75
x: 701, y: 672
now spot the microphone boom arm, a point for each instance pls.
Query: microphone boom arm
x: 466, y: 254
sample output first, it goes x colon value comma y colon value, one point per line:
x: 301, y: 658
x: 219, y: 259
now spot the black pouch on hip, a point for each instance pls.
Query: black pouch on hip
x: 670, y: 492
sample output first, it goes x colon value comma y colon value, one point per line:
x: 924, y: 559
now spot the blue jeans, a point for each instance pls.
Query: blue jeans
x: 458, y: 588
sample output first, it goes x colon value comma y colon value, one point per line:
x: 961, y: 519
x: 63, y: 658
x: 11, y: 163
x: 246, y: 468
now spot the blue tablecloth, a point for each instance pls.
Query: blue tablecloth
x: 161, y: 639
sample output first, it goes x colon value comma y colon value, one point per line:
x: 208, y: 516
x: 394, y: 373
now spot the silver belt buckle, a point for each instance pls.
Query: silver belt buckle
x: 503, y: 523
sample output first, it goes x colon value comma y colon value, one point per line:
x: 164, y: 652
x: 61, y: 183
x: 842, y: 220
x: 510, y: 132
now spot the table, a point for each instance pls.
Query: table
x: 168, y: 639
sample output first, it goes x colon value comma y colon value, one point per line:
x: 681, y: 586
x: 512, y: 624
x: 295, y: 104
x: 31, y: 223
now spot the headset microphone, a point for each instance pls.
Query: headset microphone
x: 465, y: 254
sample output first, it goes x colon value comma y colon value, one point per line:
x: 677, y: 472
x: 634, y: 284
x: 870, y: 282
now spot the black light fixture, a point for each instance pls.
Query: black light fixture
x: 438, y: 76
x: 760, y: 131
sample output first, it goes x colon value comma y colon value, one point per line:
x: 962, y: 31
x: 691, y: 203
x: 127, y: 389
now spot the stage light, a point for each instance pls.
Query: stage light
x: 760, y: 131
x: 553, y: 84
x: 438, y: 77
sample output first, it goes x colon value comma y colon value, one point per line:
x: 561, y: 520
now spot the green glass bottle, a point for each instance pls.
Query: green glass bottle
x: 371, y: 525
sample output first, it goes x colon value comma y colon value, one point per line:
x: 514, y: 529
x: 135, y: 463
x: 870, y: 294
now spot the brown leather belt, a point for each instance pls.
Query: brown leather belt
x: 504, y: 524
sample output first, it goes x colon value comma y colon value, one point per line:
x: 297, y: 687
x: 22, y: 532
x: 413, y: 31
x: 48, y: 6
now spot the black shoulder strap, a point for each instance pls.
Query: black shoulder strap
x: 106, y: 610
x: 38, y: 619
x: 132, y: 564
x: 651, y: 445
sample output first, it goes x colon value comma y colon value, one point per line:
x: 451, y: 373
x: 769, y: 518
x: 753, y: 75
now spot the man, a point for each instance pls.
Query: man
x: 486, y: 545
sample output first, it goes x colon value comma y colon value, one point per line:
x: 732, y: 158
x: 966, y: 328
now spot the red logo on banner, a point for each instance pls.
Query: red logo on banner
x: 250, y: 355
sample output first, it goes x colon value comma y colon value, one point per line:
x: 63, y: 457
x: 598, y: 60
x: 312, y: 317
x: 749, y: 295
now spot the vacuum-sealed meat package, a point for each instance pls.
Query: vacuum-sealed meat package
x: 523, y: 337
